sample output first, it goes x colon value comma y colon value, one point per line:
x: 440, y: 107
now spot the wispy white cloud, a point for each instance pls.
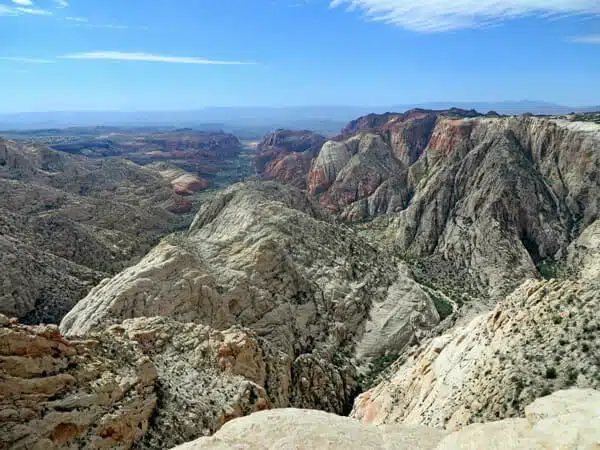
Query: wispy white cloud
x: 432, y: 16
x: 116, y: 27
x: 20, y: 59
x: 35, y: 11
x: 148, y: 57
x: 76, y: 19
x: 6, y: 10
x: 27, y: 7
x: 591, y: 39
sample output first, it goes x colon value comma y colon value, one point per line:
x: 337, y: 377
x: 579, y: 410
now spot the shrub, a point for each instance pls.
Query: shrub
x: 585, y: 347
x: 443, y: 307
x: 557, y: 319
x: 551, y: 373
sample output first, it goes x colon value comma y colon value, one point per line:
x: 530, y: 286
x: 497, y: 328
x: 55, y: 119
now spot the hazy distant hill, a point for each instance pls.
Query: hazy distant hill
x: 258, y: 120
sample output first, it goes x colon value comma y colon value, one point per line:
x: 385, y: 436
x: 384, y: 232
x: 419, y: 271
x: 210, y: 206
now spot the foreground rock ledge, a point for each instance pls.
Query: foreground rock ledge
x: 566, y: 420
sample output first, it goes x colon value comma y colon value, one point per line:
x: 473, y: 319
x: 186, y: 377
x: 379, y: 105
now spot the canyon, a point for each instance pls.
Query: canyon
x: 420, y: 272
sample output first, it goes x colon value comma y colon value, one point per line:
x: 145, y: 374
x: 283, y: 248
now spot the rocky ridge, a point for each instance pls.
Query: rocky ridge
x: 59, y: 394
x: 491, y: 197
x: 529, y: 185
x: 264, y: 256
x: 147, y: 383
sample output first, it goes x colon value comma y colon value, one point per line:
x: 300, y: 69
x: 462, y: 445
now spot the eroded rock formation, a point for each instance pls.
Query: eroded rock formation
x: 205, y: 377
x: 148, y: 383
x: 270, y: 300
x: 493, y: 197
x: 59, y: 394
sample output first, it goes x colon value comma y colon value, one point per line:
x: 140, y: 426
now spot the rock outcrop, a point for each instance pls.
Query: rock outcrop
x: 286, y: 156
x: 184, y: 183
x: 59, y: 394
x: 359, y: 178
x: 205, y: 377
x: 567, y: 419
x: 66, y: 222
x: 541, y: 338
x: 497, y: 196
x: 492, y: 197
x: 264, y: 256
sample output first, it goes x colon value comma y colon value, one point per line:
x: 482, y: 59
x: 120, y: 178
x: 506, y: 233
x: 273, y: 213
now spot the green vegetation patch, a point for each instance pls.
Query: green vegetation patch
x: 377, y: 367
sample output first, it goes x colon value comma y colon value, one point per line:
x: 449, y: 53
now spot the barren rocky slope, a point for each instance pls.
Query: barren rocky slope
x: 152, y: 383
x: 439, y: 181
x: 566, y: 420
x: 66, y: 222
x: 264, y: 256
x: 498, y: 196
x: 543, y: 337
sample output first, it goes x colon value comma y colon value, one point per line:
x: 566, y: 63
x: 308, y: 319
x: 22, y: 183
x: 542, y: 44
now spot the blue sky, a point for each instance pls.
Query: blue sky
x: 183, y: 54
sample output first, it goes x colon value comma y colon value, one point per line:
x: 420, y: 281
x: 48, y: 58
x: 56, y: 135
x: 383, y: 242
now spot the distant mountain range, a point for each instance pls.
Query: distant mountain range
x: 324, y: 119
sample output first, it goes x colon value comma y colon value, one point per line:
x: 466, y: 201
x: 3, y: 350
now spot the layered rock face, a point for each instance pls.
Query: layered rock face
x: 492, y: 196
x: 286, y: 156
x: 269, y: 300
x: 67, y: 222
x: 184, y: 183
x: 58, y: 394
x: 541, y: 338
x: 264, y: 256
x: 359, y: 178
x: 376, y: 122
x: 566, y: 419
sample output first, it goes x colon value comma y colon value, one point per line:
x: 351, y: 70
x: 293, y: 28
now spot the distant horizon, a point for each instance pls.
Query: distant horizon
x: 326, y: 119
x: 425, y: 105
